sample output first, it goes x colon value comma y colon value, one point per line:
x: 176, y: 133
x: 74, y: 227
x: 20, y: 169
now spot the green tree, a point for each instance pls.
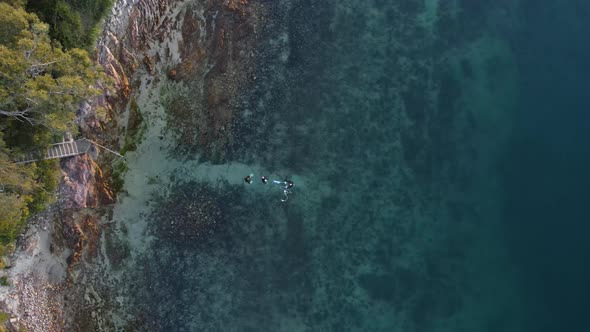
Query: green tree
x: 67, y: 25
x: 41, y: 87
x: 14, y: 178
x: 16, y: 3
x: 40, y: 84
x: 11, y: 215
x: 74, y: 23
x: 16, y: 187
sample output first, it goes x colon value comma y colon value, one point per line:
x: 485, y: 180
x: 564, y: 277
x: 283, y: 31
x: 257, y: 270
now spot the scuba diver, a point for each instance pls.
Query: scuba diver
x: 286, y: 185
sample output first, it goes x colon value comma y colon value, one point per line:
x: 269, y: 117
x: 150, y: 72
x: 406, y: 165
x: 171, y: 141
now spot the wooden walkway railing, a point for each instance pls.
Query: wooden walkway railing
x: 58, y: 150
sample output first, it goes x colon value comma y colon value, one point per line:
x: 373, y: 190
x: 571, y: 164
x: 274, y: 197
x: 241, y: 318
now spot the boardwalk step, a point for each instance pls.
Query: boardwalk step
x: 59, y: 150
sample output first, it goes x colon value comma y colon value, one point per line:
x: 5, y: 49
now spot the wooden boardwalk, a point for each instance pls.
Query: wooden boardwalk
x: 58, y: 150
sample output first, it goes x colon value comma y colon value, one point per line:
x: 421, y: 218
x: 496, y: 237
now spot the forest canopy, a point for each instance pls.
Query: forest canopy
x: 74, y: 23
x: 42, y: 84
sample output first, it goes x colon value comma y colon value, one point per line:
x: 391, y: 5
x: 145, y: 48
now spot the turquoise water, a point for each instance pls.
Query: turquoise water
x: 416, y: 138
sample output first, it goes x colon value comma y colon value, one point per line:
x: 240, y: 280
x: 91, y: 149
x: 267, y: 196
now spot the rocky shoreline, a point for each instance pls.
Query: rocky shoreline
x: 35, y: 273
x: 42, y: 270
x: 50, y: 284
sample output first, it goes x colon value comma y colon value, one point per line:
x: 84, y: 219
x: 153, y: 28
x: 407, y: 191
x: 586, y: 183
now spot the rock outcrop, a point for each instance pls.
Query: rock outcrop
x: 83, y: 184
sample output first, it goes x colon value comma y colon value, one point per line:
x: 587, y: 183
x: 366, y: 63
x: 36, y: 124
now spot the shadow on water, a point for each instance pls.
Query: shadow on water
x: 546, y: 167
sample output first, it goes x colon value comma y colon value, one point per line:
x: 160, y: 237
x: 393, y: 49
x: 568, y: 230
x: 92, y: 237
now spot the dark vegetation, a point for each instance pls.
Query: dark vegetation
x: 74, y: 23
x: 45, y: 74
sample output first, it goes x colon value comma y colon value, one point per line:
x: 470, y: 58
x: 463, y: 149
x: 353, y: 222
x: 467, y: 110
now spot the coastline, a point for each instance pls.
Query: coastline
x: 65, y: 250
x: 37, y: 273
x: 42, y: 268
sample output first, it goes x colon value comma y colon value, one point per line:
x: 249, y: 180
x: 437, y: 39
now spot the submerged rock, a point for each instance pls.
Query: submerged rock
x: 189, y: 215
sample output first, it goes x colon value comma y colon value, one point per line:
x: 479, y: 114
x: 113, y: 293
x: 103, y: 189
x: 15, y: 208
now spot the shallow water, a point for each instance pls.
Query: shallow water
x: 391, y: 119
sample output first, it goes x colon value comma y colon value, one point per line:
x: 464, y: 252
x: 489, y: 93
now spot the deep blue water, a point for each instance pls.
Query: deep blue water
x: 547, y: 163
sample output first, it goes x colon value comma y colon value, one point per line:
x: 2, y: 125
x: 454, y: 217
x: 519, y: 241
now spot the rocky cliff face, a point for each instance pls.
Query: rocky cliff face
x: 83, y: 184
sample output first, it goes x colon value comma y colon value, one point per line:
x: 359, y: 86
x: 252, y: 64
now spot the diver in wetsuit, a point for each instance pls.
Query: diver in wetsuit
x: 286, y: 184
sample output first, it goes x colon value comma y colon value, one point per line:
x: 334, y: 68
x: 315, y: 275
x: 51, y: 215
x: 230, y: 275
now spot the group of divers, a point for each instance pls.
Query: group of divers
x: 286, y: 185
